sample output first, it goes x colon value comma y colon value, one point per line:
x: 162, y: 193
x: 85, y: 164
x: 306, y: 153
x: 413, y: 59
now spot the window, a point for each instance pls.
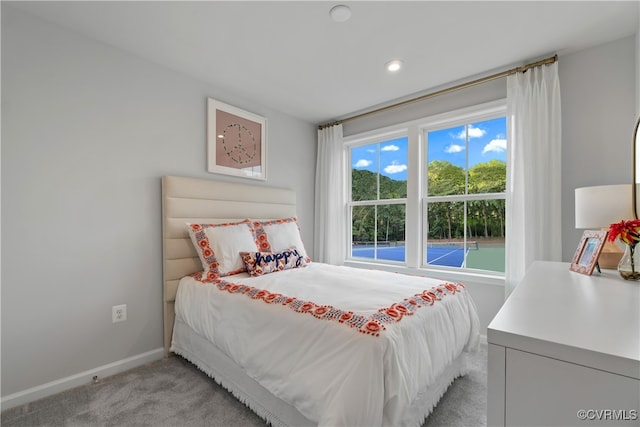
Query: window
x: 378, y: 200
x: 431, y: 193
x: 464, y: 203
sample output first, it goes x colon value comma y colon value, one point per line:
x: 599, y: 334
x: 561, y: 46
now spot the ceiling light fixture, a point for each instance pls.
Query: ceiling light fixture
x: 340, y: 13
x: 393, y: 66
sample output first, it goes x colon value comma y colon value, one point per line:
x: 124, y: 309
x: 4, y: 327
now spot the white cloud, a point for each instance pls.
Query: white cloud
x: 362, y: 163
x: 454, y: 148
x: 473, y: 133
x: 390, y: 148
x: 395, y: 167
x: 497, y: 145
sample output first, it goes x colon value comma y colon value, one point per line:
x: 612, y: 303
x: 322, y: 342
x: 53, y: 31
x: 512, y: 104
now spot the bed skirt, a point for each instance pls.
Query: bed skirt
x: 213, y: 362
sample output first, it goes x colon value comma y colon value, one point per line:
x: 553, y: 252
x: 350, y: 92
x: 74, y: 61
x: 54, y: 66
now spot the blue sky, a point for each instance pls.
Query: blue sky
x: 487, y: 141
x: 393, y: 158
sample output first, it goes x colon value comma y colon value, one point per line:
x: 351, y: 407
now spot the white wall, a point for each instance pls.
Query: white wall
x: 87, y: 132
x: 598, y: 114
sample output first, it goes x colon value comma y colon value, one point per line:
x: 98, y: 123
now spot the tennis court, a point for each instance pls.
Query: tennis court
x: 447, y: 254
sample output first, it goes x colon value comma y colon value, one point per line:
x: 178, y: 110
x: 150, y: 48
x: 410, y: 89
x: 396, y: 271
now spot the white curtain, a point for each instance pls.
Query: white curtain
x: 533, y: 216
x: 330, y: 213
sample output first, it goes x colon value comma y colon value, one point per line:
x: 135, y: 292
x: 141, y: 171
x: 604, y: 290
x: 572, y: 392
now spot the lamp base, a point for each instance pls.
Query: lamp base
x: 610, y: 256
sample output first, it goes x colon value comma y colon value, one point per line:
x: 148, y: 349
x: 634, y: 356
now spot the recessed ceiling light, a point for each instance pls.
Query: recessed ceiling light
x: 340, y: 13
x: 394, y: 66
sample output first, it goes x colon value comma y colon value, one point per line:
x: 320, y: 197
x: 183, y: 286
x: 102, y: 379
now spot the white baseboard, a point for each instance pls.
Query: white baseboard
x: 82, y: 378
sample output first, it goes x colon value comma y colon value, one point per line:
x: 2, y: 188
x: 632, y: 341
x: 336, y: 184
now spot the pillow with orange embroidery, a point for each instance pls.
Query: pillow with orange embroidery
x: 278, y: 235
x: 219, y: 245
x: 259, y: 263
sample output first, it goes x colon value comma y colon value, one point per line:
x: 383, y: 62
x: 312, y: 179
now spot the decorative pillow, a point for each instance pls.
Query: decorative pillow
x: 259, y: 263
x: 219, y: 246
x: 279, y: 235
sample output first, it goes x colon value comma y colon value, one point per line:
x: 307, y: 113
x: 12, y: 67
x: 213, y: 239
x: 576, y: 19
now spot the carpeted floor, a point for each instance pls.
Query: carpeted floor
x: 173, y: 392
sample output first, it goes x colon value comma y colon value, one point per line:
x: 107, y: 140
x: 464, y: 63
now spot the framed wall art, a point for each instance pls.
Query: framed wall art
x: 588, y: 251
x: 236, y: 141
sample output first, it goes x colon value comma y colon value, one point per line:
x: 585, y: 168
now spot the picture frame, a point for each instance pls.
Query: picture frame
x: 236, y: 141
x: 588, y: 250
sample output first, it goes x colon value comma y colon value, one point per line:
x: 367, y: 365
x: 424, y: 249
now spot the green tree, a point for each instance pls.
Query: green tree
x: 390, y: 219
x: 488, y: 177
x: 484, y: 217
x: 445, y: 179
x: 364, y: 185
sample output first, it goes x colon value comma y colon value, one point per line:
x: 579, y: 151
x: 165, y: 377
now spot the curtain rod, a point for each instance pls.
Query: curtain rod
x: 496, y: 76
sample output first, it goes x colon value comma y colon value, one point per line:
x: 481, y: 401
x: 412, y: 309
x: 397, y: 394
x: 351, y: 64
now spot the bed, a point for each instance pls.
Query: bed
x: 290, y: 346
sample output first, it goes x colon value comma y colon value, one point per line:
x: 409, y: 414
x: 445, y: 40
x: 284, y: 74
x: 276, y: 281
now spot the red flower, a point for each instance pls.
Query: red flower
x: 271, y: 297
x: 393, y: 313
x: 346, y: 316
x: 426, y: 297
x: 307, y: 306
x: 372, y: 326
x: 627, y: 231
x: 400, y: 308
x: 321, y: 310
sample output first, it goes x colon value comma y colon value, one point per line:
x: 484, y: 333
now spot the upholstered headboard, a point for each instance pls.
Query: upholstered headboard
x: 206, y: 201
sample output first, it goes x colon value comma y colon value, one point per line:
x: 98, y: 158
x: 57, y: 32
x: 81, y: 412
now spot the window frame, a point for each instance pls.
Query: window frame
x: 415, y: 131
x: 425, y: 198
x: 376, y: 139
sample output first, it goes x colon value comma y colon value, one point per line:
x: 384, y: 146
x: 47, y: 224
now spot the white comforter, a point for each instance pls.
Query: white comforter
x: 334, y: 373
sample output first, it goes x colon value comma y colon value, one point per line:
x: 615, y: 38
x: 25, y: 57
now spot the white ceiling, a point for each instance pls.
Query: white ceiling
x: 292, y: 57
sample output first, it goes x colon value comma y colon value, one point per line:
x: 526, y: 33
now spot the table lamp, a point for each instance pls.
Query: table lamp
x: 599, y: 207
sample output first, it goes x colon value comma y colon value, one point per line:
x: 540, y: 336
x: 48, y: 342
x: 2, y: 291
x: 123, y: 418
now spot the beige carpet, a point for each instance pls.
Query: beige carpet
x: 172, y: 392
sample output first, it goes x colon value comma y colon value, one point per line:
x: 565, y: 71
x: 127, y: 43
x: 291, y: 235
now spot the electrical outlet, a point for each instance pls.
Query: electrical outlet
x: 119, y: 313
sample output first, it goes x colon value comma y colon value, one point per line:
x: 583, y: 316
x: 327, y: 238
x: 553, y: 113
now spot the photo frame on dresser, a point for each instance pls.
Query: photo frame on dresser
x: 588, y: 250
x: 236, y: 141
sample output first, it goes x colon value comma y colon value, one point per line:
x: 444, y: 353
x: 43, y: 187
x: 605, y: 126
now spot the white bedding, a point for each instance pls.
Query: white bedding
x: 333, y: 373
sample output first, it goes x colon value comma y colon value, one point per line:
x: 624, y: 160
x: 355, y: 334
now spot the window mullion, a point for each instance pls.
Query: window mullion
x: 413, y: 212
x: 461, y: 197
x: 466, y: 193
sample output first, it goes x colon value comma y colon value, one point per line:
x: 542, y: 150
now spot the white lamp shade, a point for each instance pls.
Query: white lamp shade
x: 600, y: 206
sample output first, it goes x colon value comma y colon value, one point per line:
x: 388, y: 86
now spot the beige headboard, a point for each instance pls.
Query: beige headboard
x: 206, y: 201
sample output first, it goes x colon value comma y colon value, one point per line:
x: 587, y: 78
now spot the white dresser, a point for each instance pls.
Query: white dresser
x: 564, y: 350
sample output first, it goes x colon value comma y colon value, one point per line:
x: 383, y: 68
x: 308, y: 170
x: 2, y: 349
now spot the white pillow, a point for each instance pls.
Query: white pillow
x: 279, y: 235
x: 219, y: 246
